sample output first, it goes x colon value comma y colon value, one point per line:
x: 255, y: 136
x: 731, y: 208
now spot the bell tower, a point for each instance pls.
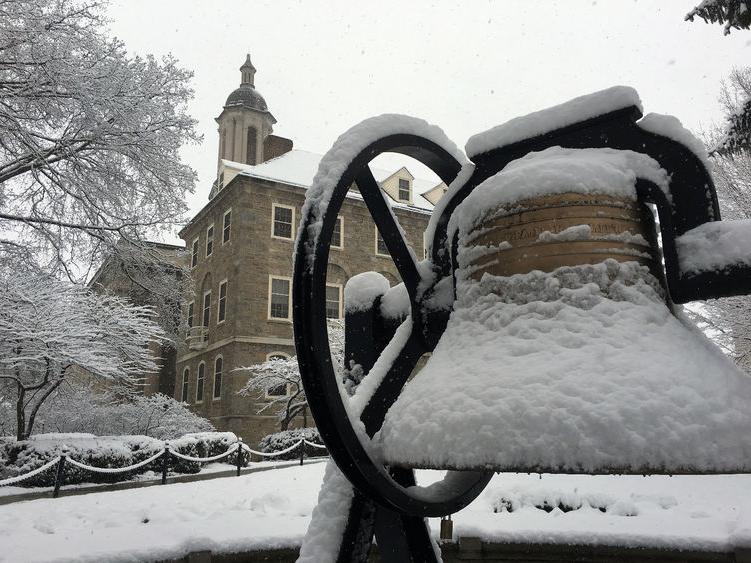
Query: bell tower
x: 245, y: 122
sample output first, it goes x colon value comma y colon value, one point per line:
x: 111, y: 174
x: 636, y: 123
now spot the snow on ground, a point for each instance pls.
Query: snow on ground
x: 687, y: 512
x: 266, y: 509
x: 272, y: 509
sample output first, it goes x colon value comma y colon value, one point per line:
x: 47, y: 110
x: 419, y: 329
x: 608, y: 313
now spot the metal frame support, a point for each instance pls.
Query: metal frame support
x: 383, y: 503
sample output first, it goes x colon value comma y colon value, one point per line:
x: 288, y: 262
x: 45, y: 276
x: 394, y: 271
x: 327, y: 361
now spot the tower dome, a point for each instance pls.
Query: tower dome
x: 246, y: 95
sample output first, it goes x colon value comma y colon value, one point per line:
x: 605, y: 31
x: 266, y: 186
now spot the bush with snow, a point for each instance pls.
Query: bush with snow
x: 288, y: 438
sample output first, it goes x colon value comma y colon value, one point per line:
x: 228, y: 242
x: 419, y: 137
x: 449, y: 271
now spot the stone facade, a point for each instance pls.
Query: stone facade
x: 242, y: 205
x: 120, y: 275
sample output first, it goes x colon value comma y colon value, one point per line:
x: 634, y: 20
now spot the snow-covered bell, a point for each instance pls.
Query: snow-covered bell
x: 562, y: 352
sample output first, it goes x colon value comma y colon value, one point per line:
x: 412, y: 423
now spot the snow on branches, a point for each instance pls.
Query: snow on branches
x: 80, y: 408
x: 277, y: 382
x: 90, y: 135
x: 50, y: 330
x: 735, y: 14
x: 735, y: 98
x: 738, y: 134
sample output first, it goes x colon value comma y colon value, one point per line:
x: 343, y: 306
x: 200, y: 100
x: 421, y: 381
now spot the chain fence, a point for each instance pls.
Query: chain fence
x: 239, y: 448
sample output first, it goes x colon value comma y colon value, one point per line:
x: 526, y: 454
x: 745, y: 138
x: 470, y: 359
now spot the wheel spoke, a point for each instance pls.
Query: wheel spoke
x: 390, y: 230
x: 386, y: 393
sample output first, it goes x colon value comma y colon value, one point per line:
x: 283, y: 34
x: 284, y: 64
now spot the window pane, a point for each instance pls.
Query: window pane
x: 381, y: 245
x: 209, y: 241
x: 227, y: 227
x: 336, y: 237
x: 218, y: 365
x: 191, y: 308
x: 186, y: 377
x: 333, y: 297
x: 279, y: 298
x: 282, y: 222
x: 277, y: 390
x: 403, y: 189
x: 206, y: 309
x: 222, y: 301
x: 199, y: 382
x: 194, y: 257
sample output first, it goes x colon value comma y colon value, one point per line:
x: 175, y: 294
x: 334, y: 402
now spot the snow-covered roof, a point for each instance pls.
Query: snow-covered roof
x: 298, y: 167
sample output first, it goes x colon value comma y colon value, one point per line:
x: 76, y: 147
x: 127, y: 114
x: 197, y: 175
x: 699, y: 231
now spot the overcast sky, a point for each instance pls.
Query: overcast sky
x: 465, y: 66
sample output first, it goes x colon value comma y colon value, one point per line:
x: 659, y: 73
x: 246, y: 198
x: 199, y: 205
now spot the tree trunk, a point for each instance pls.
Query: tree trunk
x: 20, y: 415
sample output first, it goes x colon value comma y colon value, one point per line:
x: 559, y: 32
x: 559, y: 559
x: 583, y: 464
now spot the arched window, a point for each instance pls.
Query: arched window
x: 251, y: 155
x: 199, y: 382
x: 281, y: 390
x: 218, y: 369
x: 186, y: 379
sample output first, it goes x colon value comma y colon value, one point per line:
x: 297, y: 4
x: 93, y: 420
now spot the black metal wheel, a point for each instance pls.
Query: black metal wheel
x: 371, y: 478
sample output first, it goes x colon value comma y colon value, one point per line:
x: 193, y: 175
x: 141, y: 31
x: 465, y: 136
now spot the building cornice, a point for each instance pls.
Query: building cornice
x: 268, y: 340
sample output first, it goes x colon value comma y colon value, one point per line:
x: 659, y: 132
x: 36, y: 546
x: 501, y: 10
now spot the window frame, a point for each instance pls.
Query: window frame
x: 219, y: 301
x: 209, y: 246
x: 184, y: 389
x: 227, y: 228
x: 266, y: 391
x: 194, y: 251
x: 378, y: 234
x: 289, y: 299
x: 340, y: 288
x: 399, y: 190
x: 340, y: 222
x: 190, y: 314
x: 206, y: 322
x: 214, y: 396
x: 200, y: 382
x: 274, y: 207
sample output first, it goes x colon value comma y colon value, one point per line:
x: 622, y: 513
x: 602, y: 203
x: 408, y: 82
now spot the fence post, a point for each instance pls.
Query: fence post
x: 165, y: 463
x: 60, y: 473
x: 302, y: 450
x: 239, y: 455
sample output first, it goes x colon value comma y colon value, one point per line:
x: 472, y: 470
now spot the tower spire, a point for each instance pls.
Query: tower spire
x: 248, y: 73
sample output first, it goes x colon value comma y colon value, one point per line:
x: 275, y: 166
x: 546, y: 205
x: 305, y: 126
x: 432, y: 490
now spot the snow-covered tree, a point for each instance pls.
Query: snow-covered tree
x: 735, y: 97
x: 277, y: 382
x: 735, y: 14
x: 51, y: 331
x: 78, y: 407
x: 150, y: 274
x: 728, y: 320
x: 89, y: 137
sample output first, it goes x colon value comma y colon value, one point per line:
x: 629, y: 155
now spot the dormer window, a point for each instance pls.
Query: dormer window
x: 404, y: 194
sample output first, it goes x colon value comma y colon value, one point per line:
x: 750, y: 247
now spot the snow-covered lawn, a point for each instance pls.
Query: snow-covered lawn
x: 272, y: 508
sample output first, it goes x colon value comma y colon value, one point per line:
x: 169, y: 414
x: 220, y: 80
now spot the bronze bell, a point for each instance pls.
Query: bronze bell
x: 562, y: 353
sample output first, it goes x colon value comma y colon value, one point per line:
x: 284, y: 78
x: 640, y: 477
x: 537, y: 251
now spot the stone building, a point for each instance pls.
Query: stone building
x: 240, y: 248
x: 146, y: 274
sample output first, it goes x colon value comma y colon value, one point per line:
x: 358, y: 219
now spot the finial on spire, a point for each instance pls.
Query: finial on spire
x: 248, y: 72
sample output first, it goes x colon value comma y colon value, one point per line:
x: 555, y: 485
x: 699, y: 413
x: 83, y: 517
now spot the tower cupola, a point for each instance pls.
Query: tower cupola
x: 245, y: 128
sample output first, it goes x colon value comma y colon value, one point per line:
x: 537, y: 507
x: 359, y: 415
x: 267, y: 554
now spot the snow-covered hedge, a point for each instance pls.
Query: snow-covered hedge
x: 19, y: 458
x: 283, y: 440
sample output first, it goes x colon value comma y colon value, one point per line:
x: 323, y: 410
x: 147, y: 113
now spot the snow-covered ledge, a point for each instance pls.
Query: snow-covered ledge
x: 715, y: 246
